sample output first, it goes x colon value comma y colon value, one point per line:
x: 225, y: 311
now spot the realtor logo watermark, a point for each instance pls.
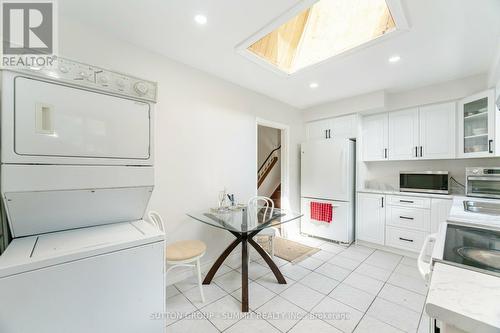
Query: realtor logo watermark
x: 28, y: 33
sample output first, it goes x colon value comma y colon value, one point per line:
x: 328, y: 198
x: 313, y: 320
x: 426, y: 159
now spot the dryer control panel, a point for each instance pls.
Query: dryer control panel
x: 97, y: 78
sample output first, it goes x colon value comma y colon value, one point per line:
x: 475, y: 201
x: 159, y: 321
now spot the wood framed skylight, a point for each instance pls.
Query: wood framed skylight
x: 323, y: 29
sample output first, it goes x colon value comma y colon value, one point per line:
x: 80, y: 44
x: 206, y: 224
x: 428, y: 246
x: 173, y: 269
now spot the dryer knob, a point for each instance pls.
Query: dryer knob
x: 141, y: 88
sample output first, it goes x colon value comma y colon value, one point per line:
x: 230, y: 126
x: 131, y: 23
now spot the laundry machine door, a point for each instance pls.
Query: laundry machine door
x: 59, y: 121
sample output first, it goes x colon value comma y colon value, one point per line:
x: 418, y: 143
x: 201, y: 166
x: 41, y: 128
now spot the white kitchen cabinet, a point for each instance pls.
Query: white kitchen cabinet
x: 409, y: 218
x: 399, y: 221
x: 437, y: 131
x: 317, y: 130
x: 405, y: 239
x: 477, y: 118
x: 375, y: 137
x: 403, y: 135
x: 370, y: 218
x: 344, y: 127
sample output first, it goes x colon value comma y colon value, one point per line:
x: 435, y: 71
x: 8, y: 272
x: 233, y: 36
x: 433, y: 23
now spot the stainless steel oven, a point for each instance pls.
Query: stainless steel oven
x: 424, y: 181
x: 482, y: 182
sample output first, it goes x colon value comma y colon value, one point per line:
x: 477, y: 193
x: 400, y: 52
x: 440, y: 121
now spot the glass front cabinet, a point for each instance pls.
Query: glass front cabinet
x: 478, y: 116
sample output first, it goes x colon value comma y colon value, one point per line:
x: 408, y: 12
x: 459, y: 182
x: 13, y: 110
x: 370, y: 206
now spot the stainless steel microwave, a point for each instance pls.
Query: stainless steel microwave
x: 424, y: 181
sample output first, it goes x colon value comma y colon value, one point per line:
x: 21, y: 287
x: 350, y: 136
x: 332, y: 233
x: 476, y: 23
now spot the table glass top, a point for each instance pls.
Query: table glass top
x: 244, y: 218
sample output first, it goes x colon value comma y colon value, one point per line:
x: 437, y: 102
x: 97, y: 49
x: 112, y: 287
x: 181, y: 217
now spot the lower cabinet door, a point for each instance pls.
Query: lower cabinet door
x: 370, y: 218
x: 405, y: 239
x: 411, y: 218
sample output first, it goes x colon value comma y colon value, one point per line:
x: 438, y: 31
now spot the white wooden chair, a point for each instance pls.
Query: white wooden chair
x: 186, y: 253
x: 271, y: 232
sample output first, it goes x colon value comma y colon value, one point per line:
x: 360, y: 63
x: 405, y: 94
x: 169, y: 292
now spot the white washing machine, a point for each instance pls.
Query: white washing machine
x: 97, y: 279
x: 76, y: 178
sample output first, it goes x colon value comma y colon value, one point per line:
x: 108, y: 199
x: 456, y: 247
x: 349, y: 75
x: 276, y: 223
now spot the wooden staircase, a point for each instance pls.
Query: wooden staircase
x: 264, y: 171
x: 267, y: 170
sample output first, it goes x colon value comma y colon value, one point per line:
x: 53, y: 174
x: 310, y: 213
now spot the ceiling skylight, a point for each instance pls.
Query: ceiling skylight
x: 324, y: 30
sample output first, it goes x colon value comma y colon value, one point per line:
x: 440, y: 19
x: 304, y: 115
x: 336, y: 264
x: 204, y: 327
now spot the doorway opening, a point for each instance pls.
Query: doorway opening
x: 269, y: 162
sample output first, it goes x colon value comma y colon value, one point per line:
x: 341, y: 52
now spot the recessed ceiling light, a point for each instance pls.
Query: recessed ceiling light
x: 394, y: 58
x: 200, y: 19
x: 313, y: 85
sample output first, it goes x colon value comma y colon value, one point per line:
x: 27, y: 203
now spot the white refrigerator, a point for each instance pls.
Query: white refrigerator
x: 328, y: 176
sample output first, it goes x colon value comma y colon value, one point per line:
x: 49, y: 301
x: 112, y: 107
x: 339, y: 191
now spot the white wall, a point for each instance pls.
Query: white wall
x: 205, y: 132
x: 371, y: 102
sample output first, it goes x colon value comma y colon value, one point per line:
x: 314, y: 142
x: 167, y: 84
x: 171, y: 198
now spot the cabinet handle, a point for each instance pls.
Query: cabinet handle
x: 329, y: 134
x: 385, y: 152
x: 420, y: 151
x: 406, y: 239
x: 416, y: 151
x: 406, y: 218
x: 326, y: 134
x: 490, y: 149
x: 382, y: 202
x: 406, y: 201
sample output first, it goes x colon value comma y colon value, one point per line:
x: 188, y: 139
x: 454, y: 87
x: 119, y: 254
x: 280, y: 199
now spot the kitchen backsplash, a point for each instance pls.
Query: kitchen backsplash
x: 385, y: 175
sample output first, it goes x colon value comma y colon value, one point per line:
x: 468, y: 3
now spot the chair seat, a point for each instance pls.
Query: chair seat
x: 271, y: 231
x: 184, y: 250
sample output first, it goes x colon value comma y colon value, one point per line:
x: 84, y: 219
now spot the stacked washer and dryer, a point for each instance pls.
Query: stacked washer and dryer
x: 76, y: 178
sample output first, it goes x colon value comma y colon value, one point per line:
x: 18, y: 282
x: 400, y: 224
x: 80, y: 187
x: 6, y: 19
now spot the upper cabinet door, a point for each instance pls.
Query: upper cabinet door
x: 476, y: 125
x: 318, y: 130
x: 437, y: 131
x: 375, y: 137
x: 344, y: 127
x: 403, y: 135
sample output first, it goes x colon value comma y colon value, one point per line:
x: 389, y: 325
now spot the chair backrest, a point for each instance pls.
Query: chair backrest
x: 267, y: 203
x: 156, y: 220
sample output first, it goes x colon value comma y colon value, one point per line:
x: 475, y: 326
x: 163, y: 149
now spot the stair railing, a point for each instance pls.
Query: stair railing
x: 267, y: 165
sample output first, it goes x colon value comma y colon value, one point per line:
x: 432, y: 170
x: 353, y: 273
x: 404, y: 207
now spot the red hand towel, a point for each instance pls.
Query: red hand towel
x: 321, y: 211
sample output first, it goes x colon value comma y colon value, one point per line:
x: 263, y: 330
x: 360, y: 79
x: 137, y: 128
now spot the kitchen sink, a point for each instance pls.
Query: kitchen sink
x: 491, y: 208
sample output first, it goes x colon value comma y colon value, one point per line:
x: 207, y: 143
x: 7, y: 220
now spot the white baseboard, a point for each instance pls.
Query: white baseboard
x: 388, y: 249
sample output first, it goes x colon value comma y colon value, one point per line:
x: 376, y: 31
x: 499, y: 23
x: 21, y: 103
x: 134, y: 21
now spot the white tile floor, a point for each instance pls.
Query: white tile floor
x: 338, y: 289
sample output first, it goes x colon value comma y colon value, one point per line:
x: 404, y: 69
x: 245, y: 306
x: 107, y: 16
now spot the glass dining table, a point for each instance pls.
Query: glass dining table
x: 244, y: 222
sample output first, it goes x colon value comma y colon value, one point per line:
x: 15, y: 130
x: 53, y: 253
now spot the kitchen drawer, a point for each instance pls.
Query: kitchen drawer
x: 407, y: 201
x: 412, y: 218
x: 406, y: 239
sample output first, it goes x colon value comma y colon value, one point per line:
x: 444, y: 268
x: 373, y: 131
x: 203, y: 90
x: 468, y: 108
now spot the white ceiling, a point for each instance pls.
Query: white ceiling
x: 448, y: 39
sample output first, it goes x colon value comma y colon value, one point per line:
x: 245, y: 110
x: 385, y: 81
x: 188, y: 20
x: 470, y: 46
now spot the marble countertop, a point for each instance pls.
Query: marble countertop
x: 459, y: 215
x: 466, y: 299
x: 410, y: 194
